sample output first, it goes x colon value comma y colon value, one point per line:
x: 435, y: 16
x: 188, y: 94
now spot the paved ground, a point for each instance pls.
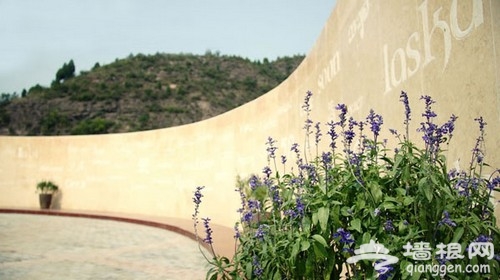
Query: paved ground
x: 54, y: 247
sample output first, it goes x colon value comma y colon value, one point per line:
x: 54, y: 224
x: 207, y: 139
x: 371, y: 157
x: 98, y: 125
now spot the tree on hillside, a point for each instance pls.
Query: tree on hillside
x: 66, y: 72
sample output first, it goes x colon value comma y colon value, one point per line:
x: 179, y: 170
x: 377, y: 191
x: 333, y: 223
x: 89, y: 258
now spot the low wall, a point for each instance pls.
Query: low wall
x: 366, y: 54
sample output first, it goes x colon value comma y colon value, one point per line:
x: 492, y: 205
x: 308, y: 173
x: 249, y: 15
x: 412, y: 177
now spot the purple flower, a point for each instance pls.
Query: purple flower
x: 394, y: 132
x: 268, y: 182
x: 197, y: 201
x: 317, y: 136
x: 342, y: 115
x: 349, y: 136
x: 434, y: 135
x: 404, y: 98
x: 344, y: 235
x: 276, y: 195
x: 208, y: 231
x: 388, y: 226
x: 253, y: 204
x: 197, y: 195
x: 311, y: 171
x: 481, y: 122
x: 442, y: 261
x: 483, y: 238
x: 306, y: 105
x: 480, y: 238
x: 267, y: 171
x: 257, y: 269
x: 349, y: 133
x: 376, y: 212
x: 375, y: 121
x: 259, y: 234
x: 384, y: 272
x: 326, y: 159
x: 236, y: 232
x: 247, y: 217
x: 429, y: 114
x: 271, y: 149
x: 299, y: 207
x: 307, y: 109
x: 447, y: 220
x: 462, y: 185
x: 495, y: 183
x: 295, y: 148
x: 452, y: 174
x: 333, y: 134
x: 254, y: 182
x: 298, y: 212
x: 475, y: 182
x: 307, y: 126
x: 296, y: 181
x: 449, y: 126
x: 283, y: 159
x: 354, y: 159
x: 477, y: 153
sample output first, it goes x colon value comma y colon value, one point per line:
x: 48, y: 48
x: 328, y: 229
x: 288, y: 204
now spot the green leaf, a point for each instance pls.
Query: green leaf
x: 345, y: 211
x: 323, y: 214
x: 320, y: 239
x: 401, y: 191
x: 322, y: 187
x: 388, y: 205
x: 408, y: 200
x: 458, y: 234
x: 426, y: 189
x: 295, y: 250
x: 356, y: 225
x: 376, y: 192
x: 390, y: 198
x: 320, y: 251
x: 366, y: 238
x: 315, y: 218
x: 304, y: 245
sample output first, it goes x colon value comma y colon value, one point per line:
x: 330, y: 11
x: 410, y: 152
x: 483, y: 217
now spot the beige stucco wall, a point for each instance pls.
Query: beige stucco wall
x: 366, y: 54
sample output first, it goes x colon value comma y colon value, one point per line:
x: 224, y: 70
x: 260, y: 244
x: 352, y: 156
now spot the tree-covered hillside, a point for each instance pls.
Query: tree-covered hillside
x: 139, y: 93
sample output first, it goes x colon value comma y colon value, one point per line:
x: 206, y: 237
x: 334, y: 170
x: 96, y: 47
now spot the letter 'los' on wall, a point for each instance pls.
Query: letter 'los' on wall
x: 366, y: 54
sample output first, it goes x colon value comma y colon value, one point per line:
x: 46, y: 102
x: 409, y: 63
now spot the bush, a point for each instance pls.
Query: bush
x: 53, y: 122
x: 93, y: 126
x: 314, y: 221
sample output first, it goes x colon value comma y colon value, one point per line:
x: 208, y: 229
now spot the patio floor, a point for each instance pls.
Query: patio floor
x: 67, y: 245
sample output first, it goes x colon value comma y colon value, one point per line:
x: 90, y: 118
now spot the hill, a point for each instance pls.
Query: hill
x: 140, y: 93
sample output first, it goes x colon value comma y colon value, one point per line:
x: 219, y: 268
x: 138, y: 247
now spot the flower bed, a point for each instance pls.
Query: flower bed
x: 315, y: 220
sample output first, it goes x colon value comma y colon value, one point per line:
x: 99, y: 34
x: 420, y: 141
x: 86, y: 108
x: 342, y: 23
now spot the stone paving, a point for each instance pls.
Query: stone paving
x: 55, y: 247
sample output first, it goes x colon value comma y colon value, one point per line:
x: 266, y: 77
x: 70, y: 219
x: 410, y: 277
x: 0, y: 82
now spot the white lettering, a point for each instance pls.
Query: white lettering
x: 399, y: 53
x: 330, y: 71
x: 476, y: 20
x: 402, y: 63
x: 428, y: 34
x: 413, y: 54
x: 359, y: 23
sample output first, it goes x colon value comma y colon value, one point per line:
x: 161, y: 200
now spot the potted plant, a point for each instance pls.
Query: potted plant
x: 46, y: 189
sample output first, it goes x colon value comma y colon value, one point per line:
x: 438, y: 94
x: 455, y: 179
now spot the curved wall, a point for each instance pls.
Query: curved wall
x: 366, y: 54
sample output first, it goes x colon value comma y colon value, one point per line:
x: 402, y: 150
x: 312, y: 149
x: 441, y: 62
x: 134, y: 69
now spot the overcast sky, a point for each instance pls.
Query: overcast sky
x: 37, y: 37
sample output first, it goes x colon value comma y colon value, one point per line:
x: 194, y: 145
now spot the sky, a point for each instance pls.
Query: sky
x: 38, y: 37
